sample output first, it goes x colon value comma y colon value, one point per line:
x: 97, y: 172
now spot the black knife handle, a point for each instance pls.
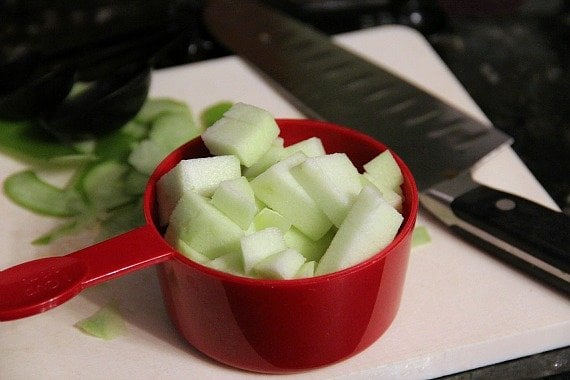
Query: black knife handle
x: 534, y: 238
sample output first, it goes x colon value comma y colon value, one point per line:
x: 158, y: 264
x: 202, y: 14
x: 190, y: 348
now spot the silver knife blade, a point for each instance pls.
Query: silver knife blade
x: 439, y: 143
x: 435, y: 139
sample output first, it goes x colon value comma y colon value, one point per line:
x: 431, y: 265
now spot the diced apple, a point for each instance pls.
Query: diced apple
x: 259, y: 203
x: 172, y: 130
x: 311, y: 147
x: 172, y: 124
x: 311, y: 249
x: 270, y: 218
x: 279, y: 190
x: 275, y: 153
x: 234, y: 197
x: 332, y: 181
x: 259, y: 245
x: 263, y: 210
x: 203, y: 227
x: 369, y: 227
x: 307, y: 270
x: 385, y: 171
x: 201, y: 175
x: 283, y: 265
x: 391, y: 196
x: 420, y: 236
x: 229, y: 263
x: 244, y: 131
x: 250, y: 114
x: 146, y: 156
x: 251, y: 229
x: 182, y: 247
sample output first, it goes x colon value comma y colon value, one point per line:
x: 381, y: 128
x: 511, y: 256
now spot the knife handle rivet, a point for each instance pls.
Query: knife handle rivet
x: 505, y: 204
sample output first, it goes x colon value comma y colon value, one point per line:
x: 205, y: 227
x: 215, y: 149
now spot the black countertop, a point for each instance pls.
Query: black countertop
x: 515, y: 66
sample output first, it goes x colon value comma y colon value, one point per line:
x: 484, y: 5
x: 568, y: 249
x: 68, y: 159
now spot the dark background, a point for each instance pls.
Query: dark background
x: 511, y: 55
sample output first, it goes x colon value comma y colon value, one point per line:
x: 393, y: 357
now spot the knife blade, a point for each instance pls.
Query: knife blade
x: 439, y: 143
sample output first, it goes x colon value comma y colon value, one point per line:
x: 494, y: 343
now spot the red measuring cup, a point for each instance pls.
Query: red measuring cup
x: 271, y: 326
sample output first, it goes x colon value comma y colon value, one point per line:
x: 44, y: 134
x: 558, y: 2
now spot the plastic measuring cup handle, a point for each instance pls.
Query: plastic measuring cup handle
x: 39, y: 285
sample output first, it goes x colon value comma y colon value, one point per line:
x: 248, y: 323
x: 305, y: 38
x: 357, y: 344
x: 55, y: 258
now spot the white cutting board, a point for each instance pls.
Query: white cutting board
x: 461, y: 308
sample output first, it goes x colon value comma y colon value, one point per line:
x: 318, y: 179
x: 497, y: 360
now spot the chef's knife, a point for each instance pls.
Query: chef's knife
x: 439, y: 143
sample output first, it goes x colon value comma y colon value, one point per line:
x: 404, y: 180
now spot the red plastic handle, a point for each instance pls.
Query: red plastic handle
x: 36, y: 286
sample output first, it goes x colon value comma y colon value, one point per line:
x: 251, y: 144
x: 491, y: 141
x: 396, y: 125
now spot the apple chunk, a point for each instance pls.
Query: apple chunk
x: 270, y: 218
x: 278, y: 189
x: 306, y: 270
x: 274, y: 154
x: 244, y: 131
x: 311, y: 249
x: 311, y: 147
x: 200, y: 175
x: 202, y: 227
x: 369, y: 227
x: 234, y: 197
x: 385, y: 171
x: 391, y: 196
x: 332, y: 181
x: 229, y: 263
x: 259, y: 245
x: 283, y: 265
